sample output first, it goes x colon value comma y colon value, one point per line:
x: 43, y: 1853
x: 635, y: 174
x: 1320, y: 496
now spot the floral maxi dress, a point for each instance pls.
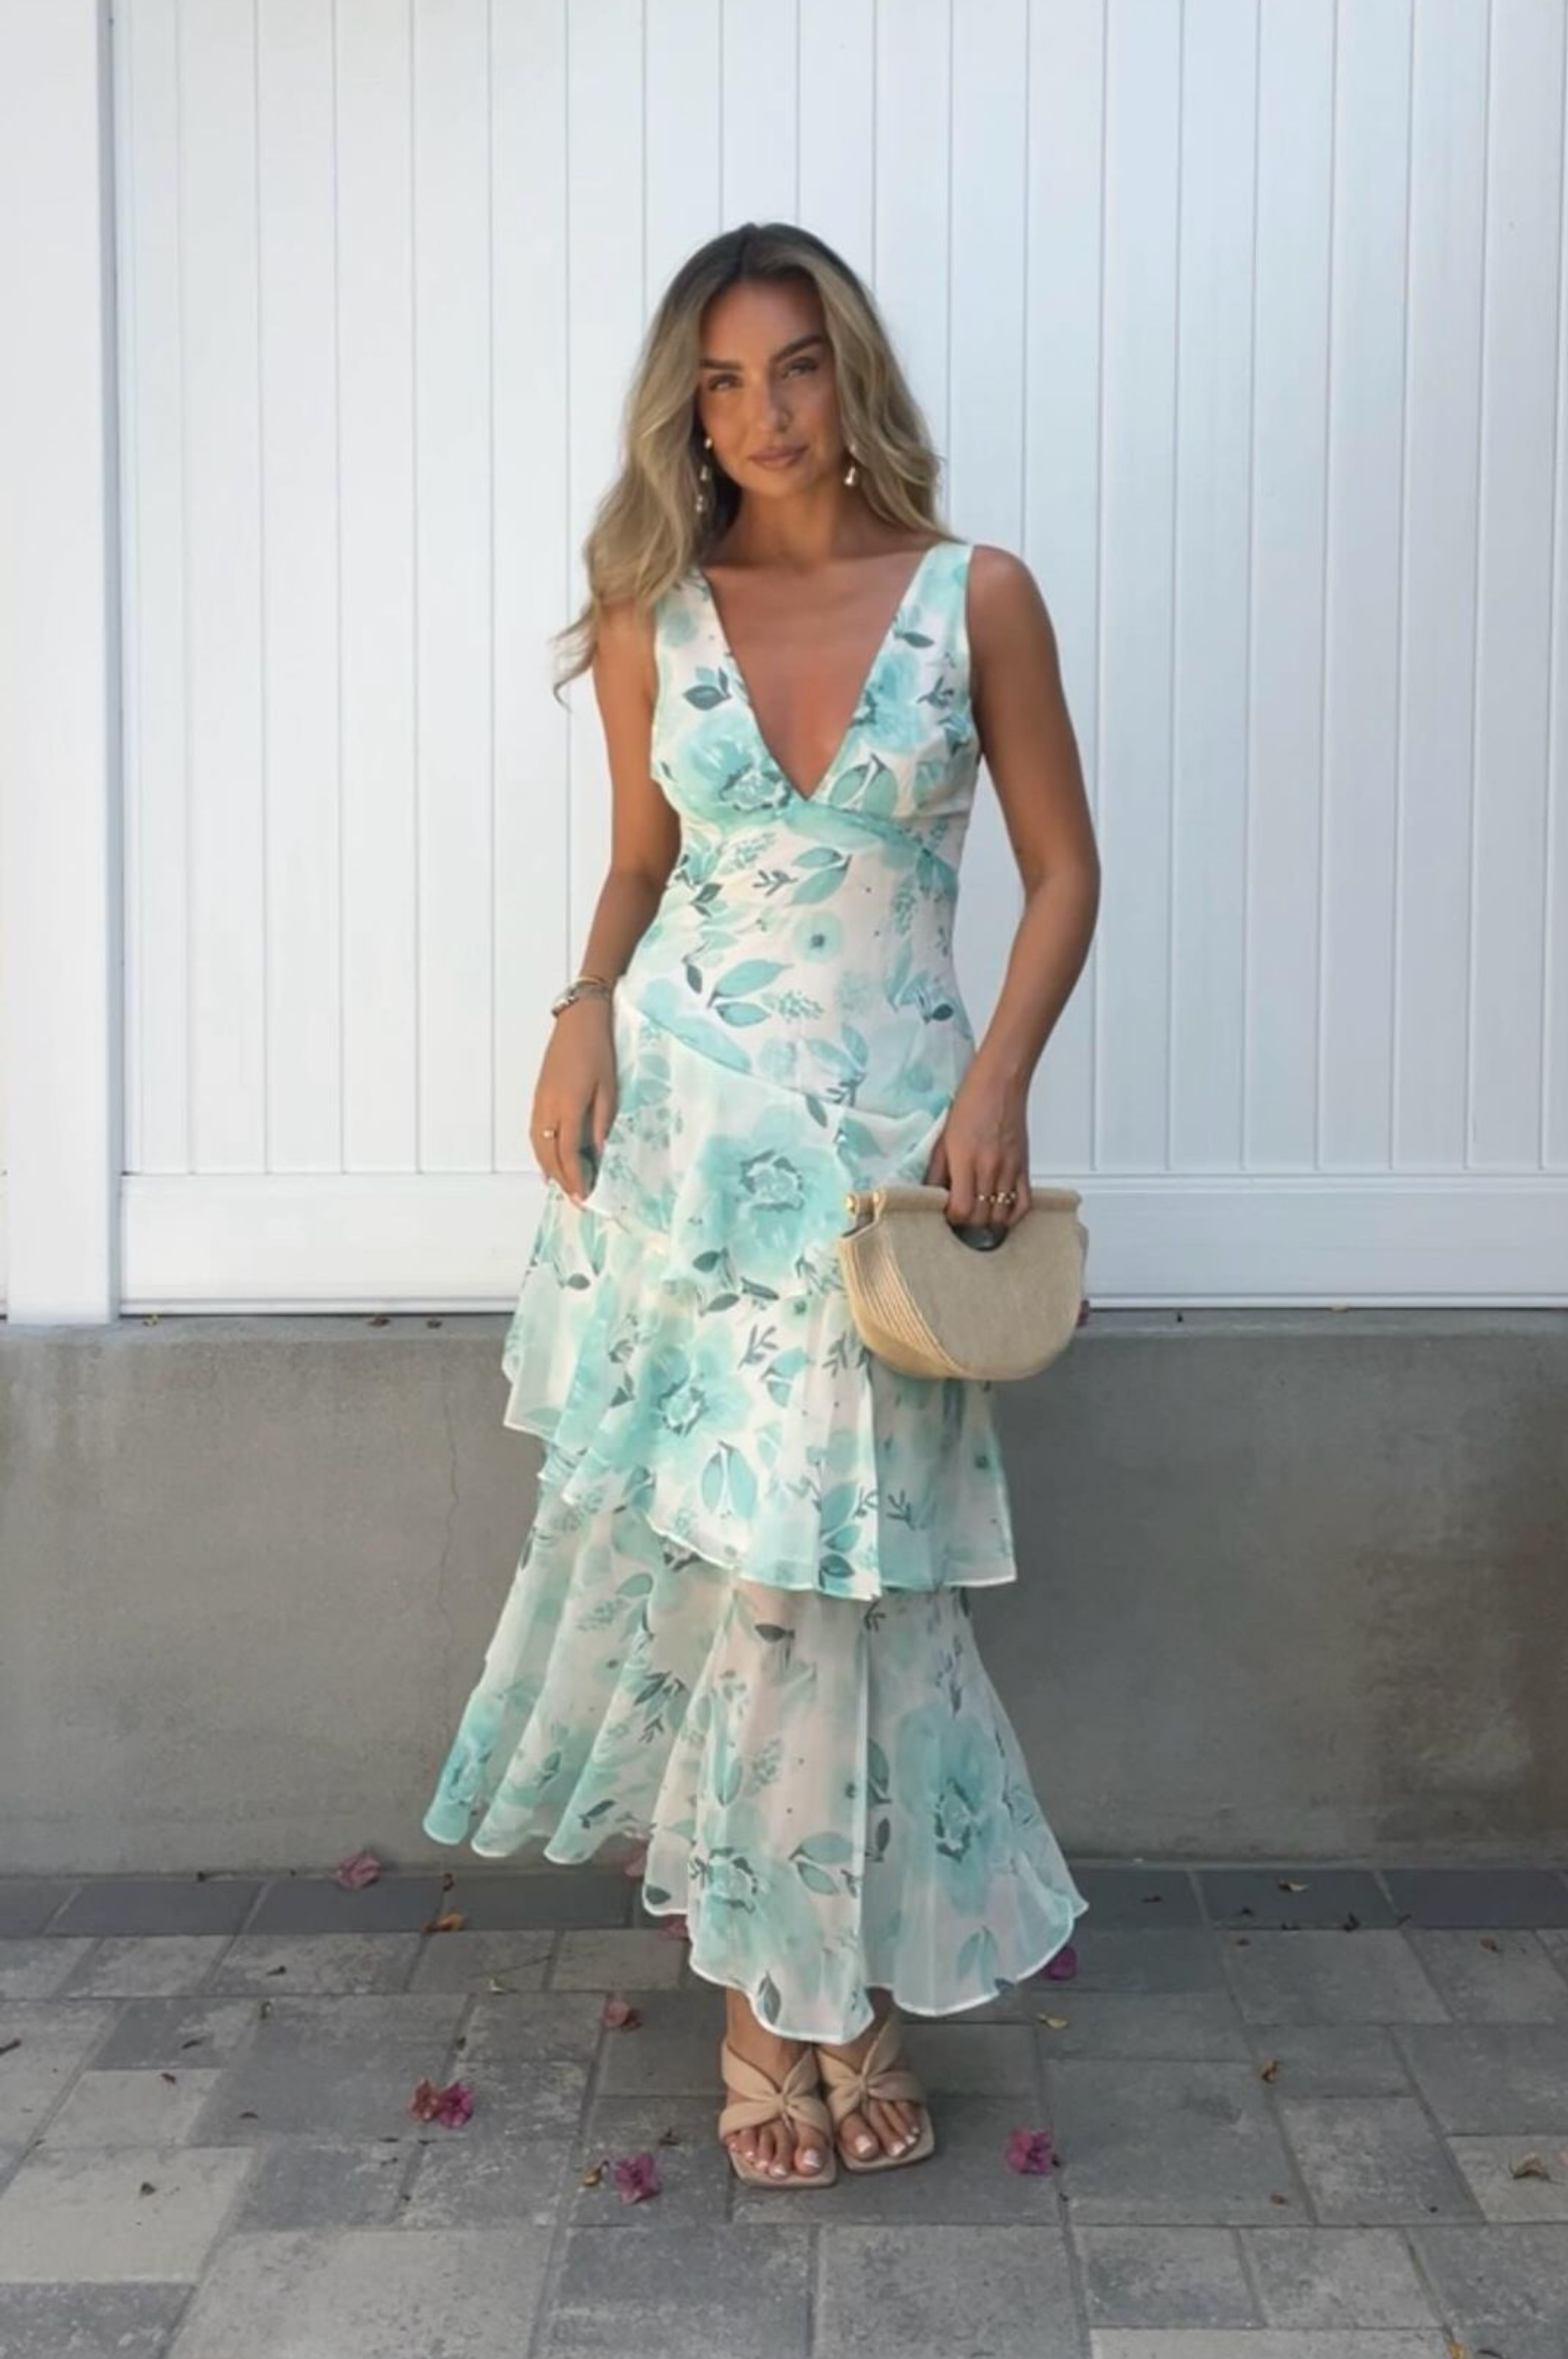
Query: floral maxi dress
x: 740, y: 1628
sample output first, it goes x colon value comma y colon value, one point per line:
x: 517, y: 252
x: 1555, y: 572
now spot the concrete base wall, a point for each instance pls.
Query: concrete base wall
x: 1291, y: 1586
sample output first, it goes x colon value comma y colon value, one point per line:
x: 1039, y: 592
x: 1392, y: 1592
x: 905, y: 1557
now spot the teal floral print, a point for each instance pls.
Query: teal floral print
x: 740, y: 1628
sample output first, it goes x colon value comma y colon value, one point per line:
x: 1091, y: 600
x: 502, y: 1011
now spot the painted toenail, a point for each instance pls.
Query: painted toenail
x: 864, y: 2145
x: 810, y: 2157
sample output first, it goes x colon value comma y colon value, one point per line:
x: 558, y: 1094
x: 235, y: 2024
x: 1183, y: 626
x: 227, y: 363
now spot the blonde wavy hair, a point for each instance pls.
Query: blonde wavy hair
x: 649, y: 529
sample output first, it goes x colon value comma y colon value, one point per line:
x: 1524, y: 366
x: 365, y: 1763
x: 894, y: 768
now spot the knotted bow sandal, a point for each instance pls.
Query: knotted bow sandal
x: 795, y: 2100
x: 878, y: 2074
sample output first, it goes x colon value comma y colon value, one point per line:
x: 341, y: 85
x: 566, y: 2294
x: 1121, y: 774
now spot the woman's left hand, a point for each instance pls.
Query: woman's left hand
x: 983, y: 1151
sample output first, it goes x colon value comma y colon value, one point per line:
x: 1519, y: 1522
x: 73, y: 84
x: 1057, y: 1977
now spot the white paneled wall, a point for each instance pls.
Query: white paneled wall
x: 1241, y: 323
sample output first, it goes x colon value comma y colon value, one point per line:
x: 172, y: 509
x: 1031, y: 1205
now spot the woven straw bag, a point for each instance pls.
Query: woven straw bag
x: 933, y: 1304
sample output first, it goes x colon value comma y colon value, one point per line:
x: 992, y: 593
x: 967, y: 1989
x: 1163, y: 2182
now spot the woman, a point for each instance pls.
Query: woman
x: 739, y: 1630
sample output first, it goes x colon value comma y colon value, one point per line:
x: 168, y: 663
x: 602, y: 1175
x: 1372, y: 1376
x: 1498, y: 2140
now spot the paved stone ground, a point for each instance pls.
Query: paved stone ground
x: 1301, y: 2113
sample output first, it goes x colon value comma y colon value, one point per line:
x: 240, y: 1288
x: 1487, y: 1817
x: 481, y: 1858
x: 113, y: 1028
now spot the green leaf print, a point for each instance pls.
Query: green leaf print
x: 738, y: 982
x: 655, y: 1896
x: 693, y: 975
x: 877, y: 1762
x: 767, y: 1998
x: 979, y: 1956
x: 729, y: 1785
x: 636, y: 1584
x: 829, y: 1848
x: 820, y: 887
x: 815, y: 1880
x: 741, y: 1011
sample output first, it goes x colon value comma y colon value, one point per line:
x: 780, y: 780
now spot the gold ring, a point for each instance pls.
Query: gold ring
x: 549, y: 1133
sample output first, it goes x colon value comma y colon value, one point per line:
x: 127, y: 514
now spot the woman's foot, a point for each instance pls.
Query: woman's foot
x: 771, y: 2145
x: 892, y: 2123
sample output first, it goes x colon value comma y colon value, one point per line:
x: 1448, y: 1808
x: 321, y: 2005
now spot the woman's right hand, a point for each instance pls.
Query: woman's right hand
x: 575, y: 1095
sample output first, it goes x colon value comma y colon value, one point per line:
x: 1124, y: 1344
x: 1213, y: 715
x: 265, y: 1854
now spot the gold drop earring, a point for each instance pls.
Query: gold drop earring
x: 849, y: 472
x: 704, y: 479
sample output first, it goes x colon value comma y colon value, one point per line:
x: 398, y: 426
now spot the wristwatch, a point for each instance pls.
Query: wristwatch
x: 586, y: 986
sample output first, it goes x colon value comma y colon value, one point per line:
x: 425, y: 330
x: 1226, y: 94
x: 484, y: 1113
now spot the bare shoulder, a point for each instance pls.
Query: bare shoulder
x: 1002, y: 589
x: 1005, y: 612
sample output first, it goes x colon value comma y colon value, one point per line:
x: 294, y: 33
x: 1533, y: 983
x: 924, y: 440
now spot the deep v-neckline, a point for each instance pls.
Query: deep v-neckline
x: 846, y: 736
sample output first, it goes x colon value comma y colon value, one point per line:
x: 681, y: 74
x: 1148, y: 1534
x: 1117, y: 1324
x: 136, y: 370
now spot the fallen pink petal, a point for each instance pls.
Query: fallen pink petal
x: 1030, y: 2150
x: 674, y: 1929
x: 620, y: 2014
x: 449, y: 2106
x: 1062, y: 1967
x: 637, y: 2177
x: 359, y: 1869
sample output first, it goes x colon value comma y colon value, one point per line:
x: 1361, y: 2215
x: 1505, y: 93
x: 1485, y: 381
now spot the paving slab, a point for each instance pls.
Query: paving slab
x: 609, y: 1958
x: 1330, y: 1977
x: 1165, y: 2277
x: 694, y: 2173
x: 144, y: 1965
x: 348, y: 2066
x: 128, y: 2109
x: 320, y: 1904
x: 553, y: 1897
x: 1332, y: 2059
x: 1476, y: 1896
x: 315, y: 1965
x: 330, y: 2183
x: 740, y: 2292
x: 54, y: 2038
x: 1482, y: 2078
x: 172, y: 2033
x: 1168, y: 2144
x: 1254, y: 2342
x: 130, y: 2214
x: 38, y: 1967
x: 1491, y: 2169
x: 1172, y: 2023
x: 1486, y: 1977
x: 945, y: 2293
x: 167, y: 1904
x: 110, y: 2321
x: 1142, y: 1899
x: 1374, y: 2161
x: 27, y: 1903
x: 1285, y: 1897
x: 365, y: 2293
x: 1338, y: 2278
x: 1500, y: 2282
x: 473, y: 1962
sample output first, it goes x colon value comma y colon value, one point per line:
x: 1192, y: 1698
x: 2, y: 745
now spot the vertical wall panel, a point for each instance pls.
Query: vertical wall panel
x: 453, y: 425
x: 226, y: 702
x: 1213, y: 412
x: 1287, y: 619
x: 535, y: 580
x: 1061, y: 482
x: 1243, y: 326
x: 987, y: 389
x: 1438, y: 584
x: 1523, y: 209
x: 153, y: 462
x: 1137, y: 588
x: 297, y: 229
x: 378, y: 526
x: 1365, y: 510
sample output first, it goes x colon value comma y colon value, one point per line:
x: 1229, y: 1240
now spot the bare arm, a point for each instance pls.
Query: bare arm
x: 1026, y: 735
x: 575, y: 1095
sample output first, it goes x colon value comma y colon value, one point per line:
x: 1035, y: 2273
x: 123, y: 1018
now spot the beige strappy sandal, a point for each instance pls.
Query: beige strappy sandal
x: 878, y: 2074
x: 795, y: 2098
